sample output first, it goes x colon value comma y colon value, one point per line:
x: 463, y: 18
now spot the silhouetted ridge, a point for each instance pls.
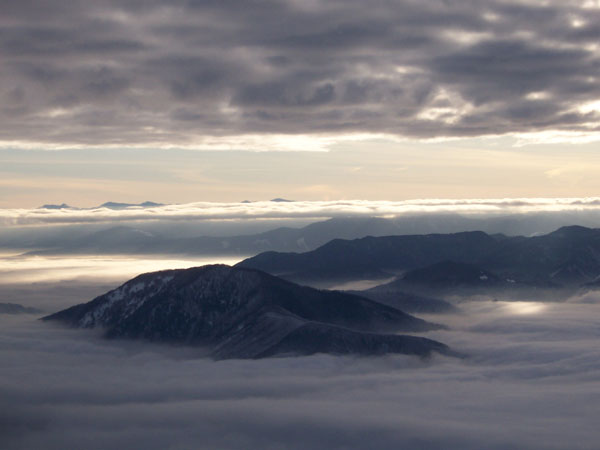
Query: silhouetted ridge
x: 50, y: 206
x: 373, y: 257
x: 567, y: 257
x: 245, y: 313
x: 573, y: 231
x: 117, y: 205
x: 451, y: 273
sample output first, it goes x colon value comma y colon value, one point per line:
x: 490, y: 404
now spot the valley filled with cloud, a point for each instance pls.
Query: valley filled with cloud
x: 529, y: 380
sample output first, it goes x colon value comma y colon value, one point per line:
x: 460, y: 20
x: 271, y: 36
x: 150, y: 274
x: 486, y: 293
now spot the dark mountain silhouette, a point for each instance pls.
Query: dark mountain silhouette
x: 245, y: 313
x: 450, y: 277
x: 117, y: 205
x: 61, y: 206
x: 591, y: 286
x: 412, y: 291
x: 374, y: 257
x: 395, y: 295
x: 567, y: 257
x: 451, y: 273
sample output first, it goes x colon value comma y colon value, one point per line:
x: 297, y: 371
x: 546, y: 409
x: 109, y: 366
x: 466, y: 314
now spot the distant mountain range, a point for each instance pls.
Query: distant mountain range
x: 147, y: 204
x: 156, y: 238
x: 109, y: 205
x: 61, y: 206
x: 245, y: 313
x: 126, y: 239
x: 147, y: 240
x: 568, y: 257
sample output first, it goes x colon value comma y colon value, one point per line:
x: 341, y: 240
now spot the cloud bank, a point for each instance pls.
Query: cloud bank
x: 289, y: 74
x: 40, y: 269
x: 295, y: 210
x: 531, y: 382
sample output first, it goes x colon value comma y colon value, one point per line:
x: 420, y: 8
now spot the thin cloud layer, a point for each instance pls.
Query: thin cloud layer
x: 294, y: 210
x: 293, y: 74
x: 35, y: 269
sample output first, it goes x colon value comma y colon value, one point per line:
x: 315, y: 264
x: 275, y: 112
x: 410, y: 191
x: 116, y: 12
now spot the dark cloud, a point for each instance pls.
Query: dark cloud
x: 168, y: 72
x: 530, y: 382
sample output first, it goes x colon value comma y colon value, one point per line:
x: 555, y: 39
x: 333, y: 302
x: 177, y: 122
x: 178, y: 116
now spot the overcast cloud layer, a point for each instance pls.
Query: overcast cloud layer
x: 531, y: 382
x: 223, y: 74
x: 295, y: 210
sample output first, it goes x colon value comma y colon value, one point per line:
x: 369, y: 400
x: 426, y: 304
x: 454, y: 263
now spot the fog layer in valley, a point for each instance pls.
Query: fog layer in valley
x: 531, y: 380
x: 26, y: 269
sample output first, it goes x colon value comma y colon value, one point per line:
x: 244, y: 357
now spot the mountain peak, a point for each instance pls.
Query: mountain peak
x: 51, y: 206
x: 244, y: 313
x: 117, y: 205
x: 572, y: 231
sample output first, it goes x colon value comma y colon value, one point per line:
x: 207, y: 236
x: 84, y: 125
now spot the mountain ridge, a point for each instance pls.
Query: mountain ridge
x: 569, y: 256
x: 245, y: 313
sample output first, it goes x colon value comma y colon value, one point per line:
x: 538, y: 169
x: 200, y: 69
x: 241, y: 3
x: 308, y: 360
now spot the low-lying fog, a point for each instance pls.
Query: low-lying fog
x: 532, y: 380
x: 21, y: 268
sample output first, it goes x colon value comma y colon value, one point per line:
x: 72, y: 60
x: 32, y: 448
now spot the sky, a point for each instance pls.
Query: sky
x: 222, y: 101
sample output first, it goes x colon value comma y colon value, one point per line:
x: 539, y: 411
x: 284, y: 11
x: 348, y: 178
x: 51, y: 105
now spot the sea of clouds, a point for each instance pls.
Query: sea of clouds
x: 531, y: 381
